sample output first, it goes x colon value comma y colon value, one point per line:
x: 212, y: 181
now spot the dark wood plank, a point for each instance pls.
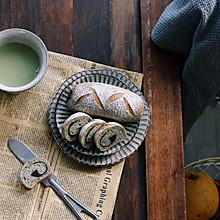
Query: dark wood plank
x: 91, y: 35
x: 126, y: 53
x: 112, y: 30
x: 51, y: 21
x: 164, y: 142
x: 126, y: 35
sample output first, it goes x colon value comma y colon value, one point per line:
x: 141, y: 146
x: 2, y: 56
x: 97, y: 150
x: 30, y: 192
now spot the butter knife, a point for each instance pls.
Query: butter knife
x: 24, y: 154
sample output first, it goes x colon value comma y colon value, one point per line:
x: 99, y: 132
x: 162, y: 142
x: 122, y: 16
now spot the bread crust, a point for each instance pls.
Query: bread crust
x: 100, y: 99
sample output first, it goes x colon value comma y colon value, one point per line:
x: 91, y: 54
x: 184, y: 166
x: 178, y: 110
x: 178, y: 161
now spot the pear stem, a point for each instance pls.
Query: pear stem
x: 192, y: 176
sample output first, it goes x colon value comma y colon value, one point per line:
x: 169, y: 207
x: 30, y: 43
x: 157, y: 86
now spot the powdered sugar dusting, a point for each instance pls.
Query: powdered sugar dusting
x: 104, y: 105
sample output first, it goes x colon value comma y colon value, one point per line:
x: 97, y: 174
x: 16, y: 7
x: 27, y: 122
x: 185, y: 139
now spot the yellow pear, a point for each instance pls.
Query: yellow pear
x: 202, y: 197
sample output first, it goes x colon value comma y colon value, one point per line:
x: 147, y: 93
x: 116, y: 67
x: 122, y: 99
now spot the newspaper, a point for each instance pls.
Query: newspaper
x: 25, y: 116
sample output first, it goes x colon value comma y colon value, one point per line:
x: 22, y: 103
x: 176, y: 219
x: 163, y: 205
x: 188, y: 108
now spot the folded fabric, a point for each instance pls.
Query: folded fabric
x: 192, y: 28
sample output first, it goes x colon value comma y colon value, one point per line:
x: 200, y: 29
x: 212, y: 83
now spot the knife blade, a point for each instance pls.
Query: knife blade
x: 24, y: 154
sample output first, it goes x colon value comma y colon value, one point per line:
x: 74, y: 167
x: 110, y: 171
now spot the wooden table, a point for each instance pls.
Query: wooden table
x: 117, y: 33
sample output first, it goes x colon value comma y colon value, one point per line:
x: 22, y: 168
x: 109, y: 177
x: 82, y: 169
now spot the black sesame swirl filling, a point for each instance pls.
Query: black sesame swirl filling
x: 72, y: 131
x: 89, y: 136
x: 105, y: 139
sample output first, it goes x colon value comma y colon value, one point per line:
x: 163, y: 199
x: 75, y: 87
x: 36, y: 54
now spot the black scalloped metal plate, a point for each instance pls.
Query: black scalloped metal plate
x: 59, y: 112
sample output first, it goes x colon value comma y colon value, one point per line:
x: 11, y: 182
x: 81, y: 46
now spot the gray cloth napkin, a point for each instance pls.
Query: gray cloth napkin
x: 192, y: 28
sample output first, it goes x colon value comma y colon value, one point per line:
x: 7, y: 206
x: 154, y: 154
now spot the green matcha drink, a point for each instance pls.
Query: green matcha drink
x: 19, y: 64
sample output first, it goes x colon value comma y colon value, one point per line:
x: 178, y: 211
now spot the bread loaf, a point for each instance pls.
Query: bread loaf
x: 109, y: 135
x: 73, y: 124
x: 100, y: 99
x: 34, y: 171
x: 86, y: 134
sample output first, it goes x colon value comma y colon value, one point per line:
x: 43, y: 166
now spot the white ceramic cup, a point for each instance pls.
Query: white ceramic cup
x: 17, y: 35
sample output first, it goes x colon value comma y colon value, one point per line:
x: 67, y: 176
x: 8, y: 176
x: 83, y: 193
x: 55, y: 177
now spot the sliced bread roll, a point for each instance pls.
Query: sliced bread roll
x: 73, y: 124
x: 86, y: 134
x: 109, y: 135
x: 100, y: 99
x: 34, y: 171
